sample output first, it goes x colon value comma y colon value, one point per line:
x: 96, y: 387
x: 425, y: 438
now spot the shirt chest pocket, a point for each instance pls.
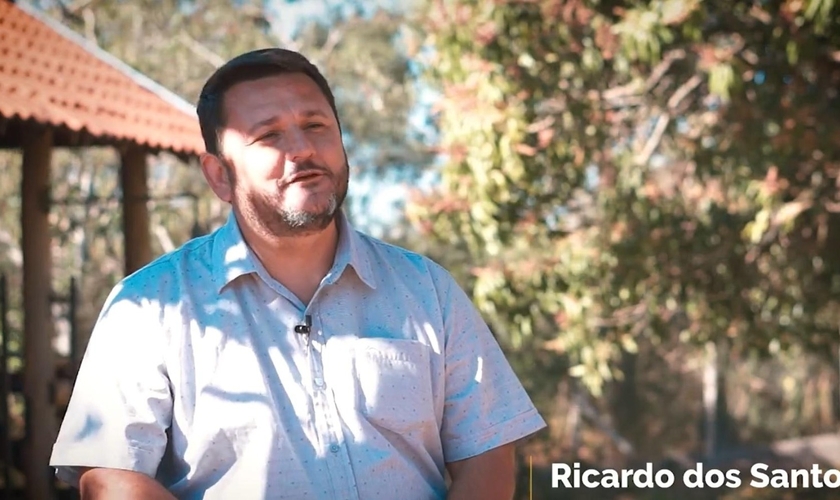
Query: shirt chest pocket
x: 393, y: 380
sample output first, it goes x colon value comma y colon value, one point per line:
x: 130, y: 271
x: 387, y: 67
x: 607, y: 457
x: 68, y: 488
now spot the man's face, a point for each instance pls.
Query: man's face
x: 281, y: 146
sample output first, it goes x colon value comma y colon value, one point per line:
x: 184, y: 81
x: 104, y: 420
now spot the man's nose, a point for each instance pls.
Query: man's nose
x: 297, y: 145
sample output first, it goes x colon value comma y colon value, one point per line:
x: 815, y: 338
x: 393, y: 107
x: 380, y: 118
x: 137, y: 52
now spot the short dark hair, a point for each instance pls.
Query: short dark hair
x: 246, y: 67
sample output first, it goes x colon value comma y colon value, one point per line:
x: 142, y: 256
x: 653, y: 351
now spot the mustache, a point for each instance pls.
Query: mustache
x: 305, y: 167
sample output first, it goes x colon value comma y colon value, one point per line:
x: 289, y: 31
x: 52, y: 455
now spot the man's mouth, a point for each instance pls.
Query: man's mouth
x: 305, y: 176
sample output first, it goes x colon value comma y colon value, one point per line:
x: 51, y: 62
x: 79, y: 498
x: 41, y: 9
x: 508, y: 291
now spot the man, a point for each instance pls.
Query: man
x: 285, y: 355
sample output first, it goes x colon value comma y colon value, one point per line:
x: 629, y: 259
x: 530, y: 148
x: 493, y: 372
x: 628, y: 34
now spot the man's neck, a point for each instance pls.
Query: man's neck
x: 297, y: 262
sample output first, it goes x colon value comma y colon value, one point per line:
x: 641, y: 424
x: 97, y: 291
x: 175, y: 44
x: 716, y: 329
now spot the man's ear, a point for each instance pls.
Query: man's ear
x: 217, y: 176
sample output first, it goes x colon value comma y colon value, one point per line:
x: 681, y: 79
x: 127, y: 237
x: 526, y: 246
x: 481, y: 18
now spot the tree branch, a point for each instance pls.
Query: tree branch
x: 80, y: 5
x: 664, y: 119
x: 90, y: 25
x: 201, y: 50
x: 683, y: 91
x: 631, y: 89
x: 285, y: 40
x: 166, y: 243
x: 332, y: 41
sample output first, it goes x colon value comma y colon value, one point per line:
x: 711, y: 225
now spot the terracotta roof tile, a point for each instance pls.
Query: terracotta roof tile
x: 52, y: 76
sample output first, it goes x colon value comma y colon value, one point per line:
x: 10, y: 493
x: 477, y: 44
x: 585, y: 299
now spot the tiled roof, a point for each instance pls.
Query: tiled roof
x: 50, y: 75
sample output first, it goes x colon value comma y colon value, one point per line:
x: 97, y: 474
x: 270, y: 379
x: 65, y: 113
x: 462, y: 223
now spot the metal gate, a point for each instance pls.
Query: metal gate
x: 12, y: 420
x: 6, y: 437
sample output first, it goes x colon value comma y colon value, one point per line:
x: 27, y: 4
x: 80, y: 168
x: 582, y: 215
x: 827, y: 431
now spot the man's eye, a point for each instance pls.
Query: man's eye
x: 268, y: 136
x: 314, y: 126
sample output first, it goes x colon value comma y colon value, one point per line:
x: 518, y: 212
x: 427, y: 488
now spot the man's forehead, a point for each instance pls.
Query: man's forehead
x: 277, y: 85
x: 278, y: 96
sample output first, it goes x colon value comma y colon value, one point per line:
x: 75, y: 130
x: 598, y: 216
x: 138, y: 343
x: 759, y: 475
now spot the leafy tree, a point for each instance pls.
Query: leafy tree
x: 629, y: 171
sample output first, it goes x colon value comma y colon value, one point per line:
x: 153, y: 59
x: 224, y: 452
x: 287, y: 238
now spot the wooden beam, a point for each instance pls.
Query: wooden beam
x: 38, y: 367
x: 135, y: 189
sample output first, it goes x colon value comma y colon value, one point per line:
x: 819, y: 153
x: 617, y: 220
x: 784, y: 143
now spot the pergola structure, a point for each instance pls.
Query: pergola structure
x: 57, y: 90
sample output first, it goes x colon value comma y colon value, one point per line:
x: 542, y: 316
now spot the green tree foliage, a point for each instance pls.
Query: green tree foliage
x: 367, y: 61
x: 641, y: 170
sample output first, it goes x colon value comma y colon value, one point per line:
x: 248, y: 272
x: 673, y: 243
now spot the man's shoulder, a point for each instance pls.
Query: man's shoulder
x: 169, y: 271
x: 390, y: 253
x: 396, y: 260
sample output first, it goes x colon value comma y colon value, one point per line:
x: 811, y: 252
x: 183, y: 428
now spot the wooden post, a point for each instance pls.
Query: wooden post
x: 38, y: 367
x: 135, y: 189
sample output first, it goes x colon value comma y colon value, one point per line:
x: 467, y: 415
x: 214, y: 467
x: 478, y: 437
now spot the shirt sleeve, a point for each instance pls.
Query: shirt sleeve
x: 485, y: 405
x: 121, y: 404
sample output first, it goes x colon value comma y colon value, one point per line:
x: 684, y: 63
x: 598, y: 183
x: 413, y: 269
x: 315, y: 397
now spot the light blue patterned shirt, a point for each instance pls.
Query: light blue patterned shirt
x: 194, y: 375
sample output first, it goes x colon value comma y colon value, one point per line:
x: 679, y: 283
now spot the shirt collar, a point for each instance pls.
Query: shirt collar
x: 352, y: 250
x: 233, y: 258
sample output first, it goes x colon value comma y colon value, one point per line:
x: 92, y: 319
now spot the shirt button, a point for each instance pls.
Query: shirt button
x: 334, y: 448
x: 319, y: 383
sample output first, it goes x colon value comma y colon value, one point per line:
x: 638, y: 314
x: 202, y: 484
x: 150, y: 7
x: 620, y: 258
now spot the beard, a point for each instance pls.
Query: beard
x: 269, y: 215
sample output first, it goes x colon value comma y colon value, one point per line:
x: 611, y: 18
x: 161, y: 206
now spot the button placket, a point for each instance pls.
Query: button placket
x: 328, y: 421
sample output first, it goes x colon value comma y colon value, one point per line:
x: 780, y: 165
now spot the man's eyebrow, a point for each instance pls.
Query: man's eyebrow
x: 262, y: 123
x: 309, y: 113
x: 314, y: 113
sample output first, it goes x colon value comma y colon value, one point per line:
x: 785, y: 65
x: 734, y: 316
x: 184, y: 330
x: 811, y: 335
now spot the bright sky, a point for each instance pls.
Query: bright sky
x: 291, y: 12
